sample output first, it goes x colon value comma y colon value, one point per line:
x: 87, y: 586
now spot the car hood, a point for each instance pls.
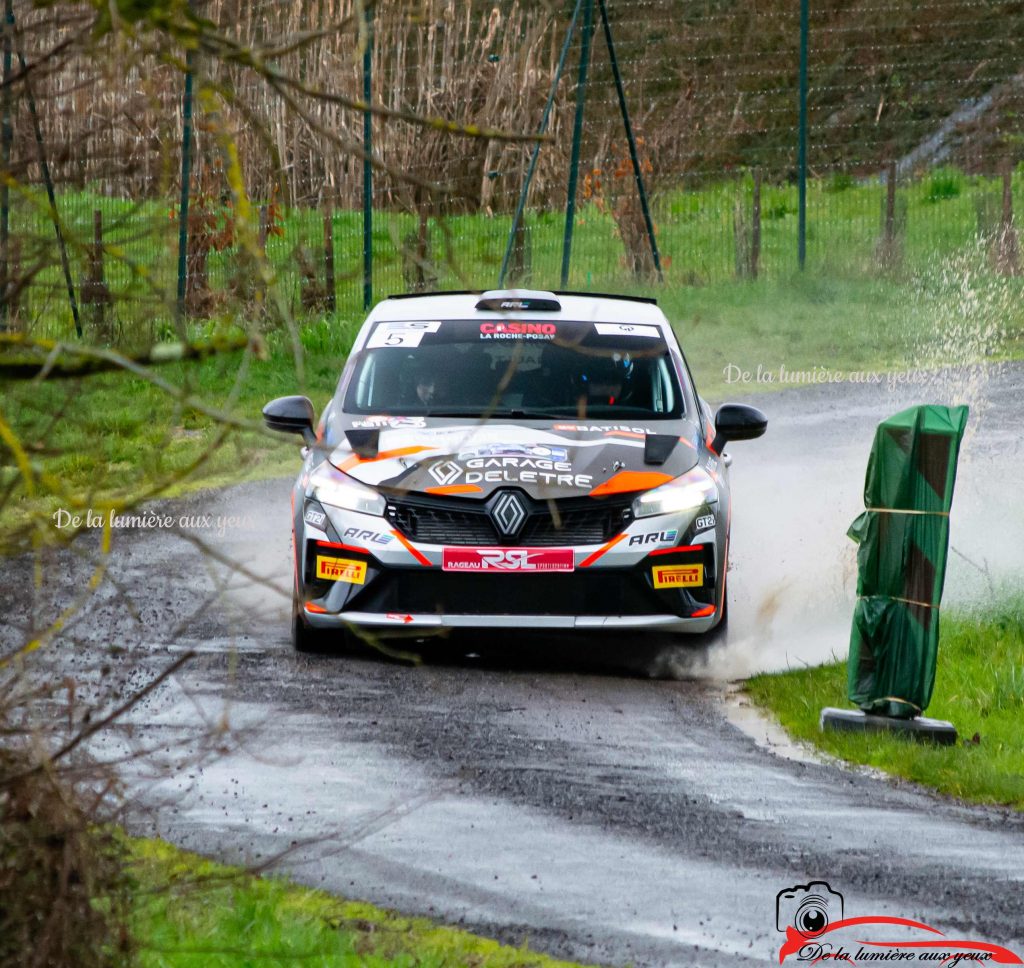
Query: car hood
x: 546, y: 460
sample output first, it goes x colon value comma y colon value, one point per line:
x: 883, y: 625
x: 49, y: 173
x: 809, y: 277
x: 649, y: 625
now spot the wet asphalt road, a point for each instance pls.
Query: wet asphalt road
x: 589, y: 796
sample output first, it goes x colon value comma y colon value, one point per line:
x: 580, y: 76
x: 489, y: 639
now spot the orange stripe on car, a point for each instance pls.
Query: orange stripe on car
x: 343, y: 547
x: 415, y: 552
x: 454, y: 489
x: 630, y: 481
x: 318, y: 609
x: 703, y: 612
x: 675, y: 550
x: 624, y: 433
x: 383, y: 455
x: 606, y: 547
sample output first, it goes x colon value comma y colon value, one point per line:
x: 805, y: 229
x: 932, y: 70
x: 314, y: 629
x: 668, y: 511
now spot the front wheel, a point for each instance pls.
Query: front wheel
x: 719, y: 632
x: 305, y: 638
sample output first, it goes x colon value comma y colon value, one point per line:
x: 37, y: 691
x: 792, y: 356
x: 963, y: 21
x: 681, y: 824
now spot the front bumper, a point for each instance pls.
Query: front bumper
x: 664, y: 623
x: 381, y: 579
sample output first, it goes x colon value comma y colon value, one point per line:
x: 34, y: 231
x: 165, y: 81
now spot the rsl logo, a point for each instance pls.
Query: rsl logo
x: 508, y: 560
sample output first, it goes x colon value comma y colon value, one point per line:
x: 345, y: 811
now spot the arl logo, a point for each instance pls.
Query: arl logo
x: 373, y: 537
x: 653, y: 538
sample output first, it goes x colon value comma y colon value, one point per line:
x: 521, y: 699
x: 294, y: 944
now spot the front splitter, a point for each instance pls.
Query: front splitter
x: 664, y: 623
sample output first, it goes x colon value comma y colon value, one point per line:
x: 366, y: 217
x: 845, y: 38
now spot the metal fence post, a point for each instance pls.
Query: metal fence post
x: 6, y: 137
x: 521, y: 205
x: 332, y: 302
x: 624, y: 109
x: 367, y: 167
x: 186, y: 175
x: 801, y: 245
x: 44, y: 169
x: 577, y: 134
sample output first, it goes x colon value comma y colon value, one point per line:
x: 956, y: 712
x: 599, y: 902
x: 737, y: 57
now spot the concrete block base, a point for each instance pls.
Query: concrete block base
x: 920, y: 727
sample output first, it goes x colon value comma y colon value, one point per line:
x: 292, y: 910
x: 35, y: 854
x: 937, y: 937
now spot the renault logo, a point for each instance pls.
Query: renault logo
x: 508, y: 514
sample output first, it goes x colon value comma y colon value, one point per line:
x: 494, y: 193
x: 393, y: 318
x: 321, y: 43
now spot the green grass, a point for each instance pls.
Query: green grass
x: 193, y: 913
x: 696, y: 236
x: 114, y: 436
x: 979, y: 688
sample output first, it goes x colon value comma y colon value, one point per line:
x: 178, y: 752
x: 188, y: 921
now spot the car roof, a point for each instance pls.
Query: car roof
x: 575, y: 306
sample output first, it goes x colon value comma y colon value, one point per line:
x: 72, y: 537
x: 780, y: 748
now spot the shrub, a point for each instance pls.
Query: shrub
x: 945, y: 183
x: 63, y: 890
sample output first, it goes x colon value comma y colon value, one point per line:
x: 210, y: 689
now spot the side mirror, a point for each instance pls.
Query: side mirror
x: 737, y: 421
x: 291, y: 415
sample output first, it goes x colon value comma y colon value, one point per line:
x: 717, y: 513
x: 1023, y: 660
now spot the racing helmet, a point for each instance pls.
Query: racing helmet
x: 606, y: 378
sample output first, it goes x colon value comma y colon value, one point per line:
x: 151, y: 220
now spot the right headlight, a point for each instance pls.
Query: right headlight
x: 692, y: 490
x: 331, y: 486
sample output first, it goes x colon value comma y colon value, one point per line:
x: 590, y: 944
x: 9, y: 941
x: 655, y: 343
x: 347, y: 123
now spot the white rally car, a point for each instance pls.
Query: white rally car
x: 512, y: 459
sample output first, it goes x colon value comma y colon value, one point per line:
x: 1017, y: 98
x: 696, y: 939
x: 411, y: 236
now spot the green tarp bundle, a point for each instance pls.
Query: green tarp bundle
x: 903, y: 539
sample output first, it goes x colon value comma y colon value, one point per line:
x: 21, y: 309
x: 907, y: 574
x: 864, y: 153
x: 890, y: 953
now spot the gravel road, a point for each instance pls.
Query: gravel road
x: 593, y: 797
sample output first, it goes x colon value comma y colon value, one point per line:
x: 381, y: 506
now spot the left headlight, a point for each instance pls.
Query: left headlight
x: 331, y: 486
x: 692, y: 490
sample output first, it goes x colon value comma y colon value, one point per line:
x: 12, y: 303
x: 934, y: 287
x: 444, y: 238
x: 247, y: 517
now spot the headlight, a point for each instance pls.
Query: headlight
x: 694, y: 489
x: 331, y: 486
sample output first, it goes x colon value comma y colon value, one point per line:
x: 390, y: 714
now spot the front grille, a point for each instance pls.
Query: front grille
x: 582, y: 592
x: 460, y: 521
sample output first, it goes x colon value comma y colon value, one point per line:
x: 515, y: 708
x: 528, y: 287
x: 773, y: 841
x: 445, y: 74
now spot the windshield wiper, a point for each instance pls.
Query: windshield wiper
x: 519, y: 413
x: 514, y: 412
x: 452, y: 413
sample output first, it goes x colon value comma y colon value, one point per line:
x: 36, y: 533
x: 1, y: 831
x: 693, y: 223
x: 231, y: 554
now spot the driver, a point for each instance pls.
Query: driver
x: 426, y: 388
x: 605, y: 381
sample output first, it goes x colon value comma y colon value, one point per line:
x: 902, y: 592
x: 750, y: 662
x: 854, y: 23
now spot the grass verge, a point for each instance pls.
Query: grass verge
x: 193, y: 913
x: 979, y: 688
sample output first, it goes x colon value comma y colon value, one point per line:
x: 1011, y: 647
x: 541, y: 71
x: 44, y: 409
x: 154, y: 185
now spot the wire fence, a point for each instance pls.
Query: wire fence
x: 914, y: 137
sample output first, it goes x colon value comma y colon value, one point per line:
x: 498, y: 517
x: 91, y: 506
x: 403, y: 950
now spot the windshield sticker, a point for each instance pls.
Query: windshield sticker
x: 514, y: 330
x: 626, y: 329
x: 400, y: 334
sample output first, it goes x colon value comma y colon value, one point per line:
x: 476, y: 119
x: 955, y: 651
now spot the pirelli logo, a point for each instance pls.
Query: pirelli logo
x: 341, y: 569
x: 678, y: 576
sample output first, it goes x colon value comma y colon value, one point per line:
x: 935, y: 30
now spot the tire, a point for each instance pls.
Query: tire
x: 305, y: 638
x: 720, y: 631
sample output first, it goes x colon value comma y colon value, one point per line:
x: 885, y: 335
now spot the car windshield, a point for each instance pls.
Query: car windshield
x: 518, y: 368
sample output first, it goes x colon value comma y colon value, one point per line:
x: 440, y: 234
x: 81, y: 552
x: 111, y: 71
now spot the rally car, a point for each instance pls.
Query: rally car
x: 512, y: 459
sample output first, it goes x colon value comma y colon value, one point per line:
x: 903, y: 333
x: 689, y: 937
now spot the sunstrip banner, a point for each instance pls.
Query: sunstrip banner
x: 514, y: 560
